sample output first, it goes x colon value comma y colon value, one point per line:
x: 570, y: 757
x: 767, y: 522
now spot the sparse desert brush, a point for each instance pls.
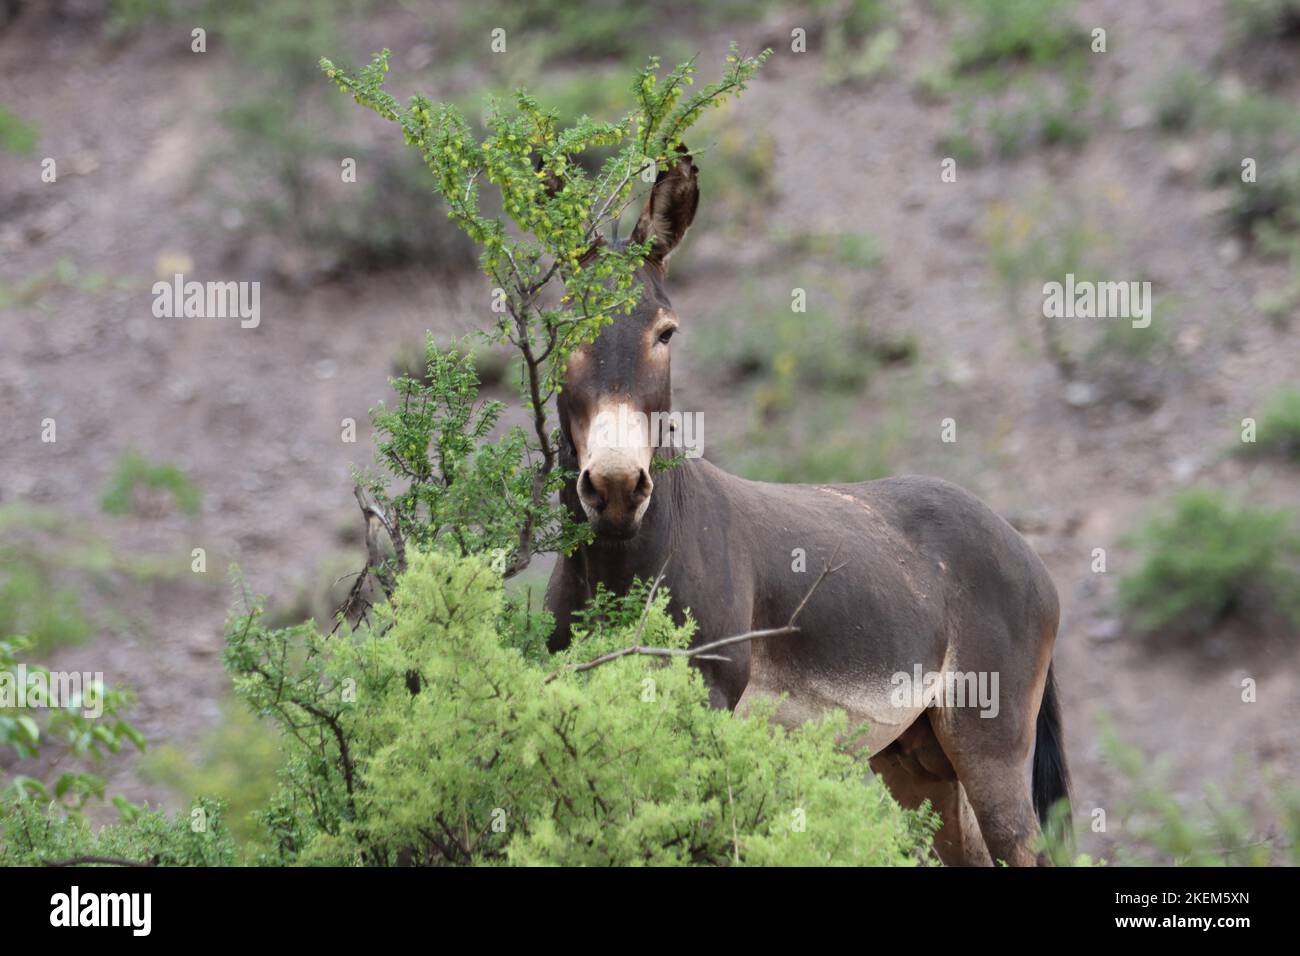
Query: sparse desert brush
x: 139, y: 482
x: 1250, y: 142
x: 1000, y: 31
x: 16, y: 136
x: 1206, y: 560
x: 1279, y: 426
x: 1264, y: 20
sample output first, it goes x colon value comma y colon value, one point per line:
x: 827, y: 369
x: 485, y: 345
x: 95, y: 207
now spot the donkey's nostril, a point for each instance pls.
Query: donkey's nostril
x: 643, y: 486
x: 587, y: 491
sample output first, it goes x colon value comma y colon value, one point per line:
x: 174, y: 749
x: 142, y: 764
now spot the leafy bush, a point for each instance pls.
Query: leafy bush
x: 858, y: 40
x: 54, y: 733
x: 1242, y: 123
x: 30, y: 291
x: 15, y: 135
x: 794, y: 352
x: 1218, y: 830
x: 1020, y: 68
x: 435, y: 441
x: 47, y: 566
x: 1279, y: 426
x: 1264, y: 20
x: 438, y: 734
x: 997, y: 31
x: 32, y: 836
x: 1178, y: 99
x: 59, y: 582
x: 122, y: 16
x: 1208, y: 559
x: 137, y: 478
x: 1246, y: 123
x: 34, y: 601
x: 826, y: 444
x: 275, y: 115
x: 234, y: 764
x: 1045, y: 239
x: 1159, y: 827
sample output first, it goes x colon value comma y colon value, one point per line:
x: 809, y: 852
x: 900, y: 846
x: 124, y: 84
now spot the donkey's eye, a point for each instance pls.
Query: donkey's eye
x: 666, y: 334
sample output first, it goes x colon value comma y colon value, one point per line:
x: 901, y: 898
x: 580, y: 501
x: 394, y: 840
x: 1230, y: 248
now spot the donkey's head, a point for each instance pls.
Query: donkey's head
x: 616, y: 388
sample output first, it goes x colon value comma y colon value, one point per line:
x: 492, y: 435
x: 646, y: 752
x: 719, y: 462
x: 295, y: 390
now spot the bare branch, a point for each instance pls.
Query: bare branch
x: 703, y: 651
x: 688, y: 652
x: 99, y: 860
x: 826, y: 569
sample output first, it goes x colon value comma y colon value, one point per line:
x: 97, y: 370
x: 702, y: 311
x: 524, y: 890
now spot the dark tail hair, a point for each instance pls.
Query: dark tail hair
x: 1051, y: 775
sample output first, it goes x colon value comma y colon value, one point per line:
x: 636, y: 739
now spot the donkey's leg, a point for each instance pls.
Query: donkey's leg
x: 990, y: 756
x: 916, y: 769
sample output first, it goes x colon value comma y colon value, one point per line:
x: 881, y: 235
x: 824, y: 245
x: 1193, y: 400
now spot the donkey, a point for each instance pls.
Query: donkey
x: 926, y: 578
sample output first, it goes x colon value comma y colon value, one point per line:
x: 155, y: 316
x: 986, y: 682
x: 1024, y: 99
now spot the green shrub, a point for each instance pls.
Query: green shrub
x: 1264, y: 20
x: 32, y: 836
x: 1044, y: 239
x: 593, y: 30
x: 77, y: 731
x: 59, y: 583
x: 126, y: 15
x: 1242, y: 123
x: 828, y: 349
x: 30, y: 291
x: 995, y: 32
x: 34, y: 600
x: 1247, y: 124
x: 793, y: 353
x: 500, y: 757
x: 1020, y: 70
x: 235, y: 764
x: 827, y: 445
x: 15, y: 135
x: 1206, y: 560
x: 1217, y: 829
x: 137, y: 478
x: 276, y: 113
x: 1279, y: 426
x: 1272, y: 203
x: 1157, y: 826
x: 858, y: 42
x: 433, y: 444
x: 1030, y: 114
x: 1179, y: 99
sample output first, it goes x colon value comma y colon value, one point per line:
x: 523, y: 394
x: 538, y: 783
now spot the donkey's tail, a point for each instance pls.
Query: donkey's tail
x: 1051, y: 775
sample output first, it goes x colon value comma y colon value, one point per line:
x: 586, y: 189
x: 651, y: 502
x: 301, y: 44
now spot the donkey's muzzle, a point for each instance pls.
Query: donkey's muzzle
x: 614, y: 492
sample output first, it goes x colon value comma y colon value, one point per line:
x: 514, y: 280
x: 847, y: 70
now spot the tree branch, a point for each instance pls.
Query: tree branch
x: 703, y: 651
x: 104, y: 860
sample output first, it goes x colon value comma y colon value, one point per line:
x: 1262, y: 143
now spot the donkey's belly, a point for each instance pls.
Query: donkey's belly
x: 863, y: 636
x: 874, y: 700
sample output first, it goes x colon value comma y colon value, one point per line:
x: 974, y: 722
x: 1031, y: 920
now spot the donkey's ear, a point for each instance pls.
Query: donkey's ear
x: 670, y: 210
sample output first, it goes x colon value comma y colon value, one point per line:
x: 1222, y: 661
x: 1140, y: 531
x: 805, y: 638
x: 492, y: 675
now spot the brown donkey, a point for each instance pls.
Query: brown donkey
x: 928, y: 581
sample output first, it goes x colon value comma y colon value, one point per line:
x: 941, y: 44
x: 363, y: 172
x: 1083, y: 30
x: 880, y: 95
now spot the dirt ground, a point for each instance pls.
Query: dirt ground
x: 253, y: 416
